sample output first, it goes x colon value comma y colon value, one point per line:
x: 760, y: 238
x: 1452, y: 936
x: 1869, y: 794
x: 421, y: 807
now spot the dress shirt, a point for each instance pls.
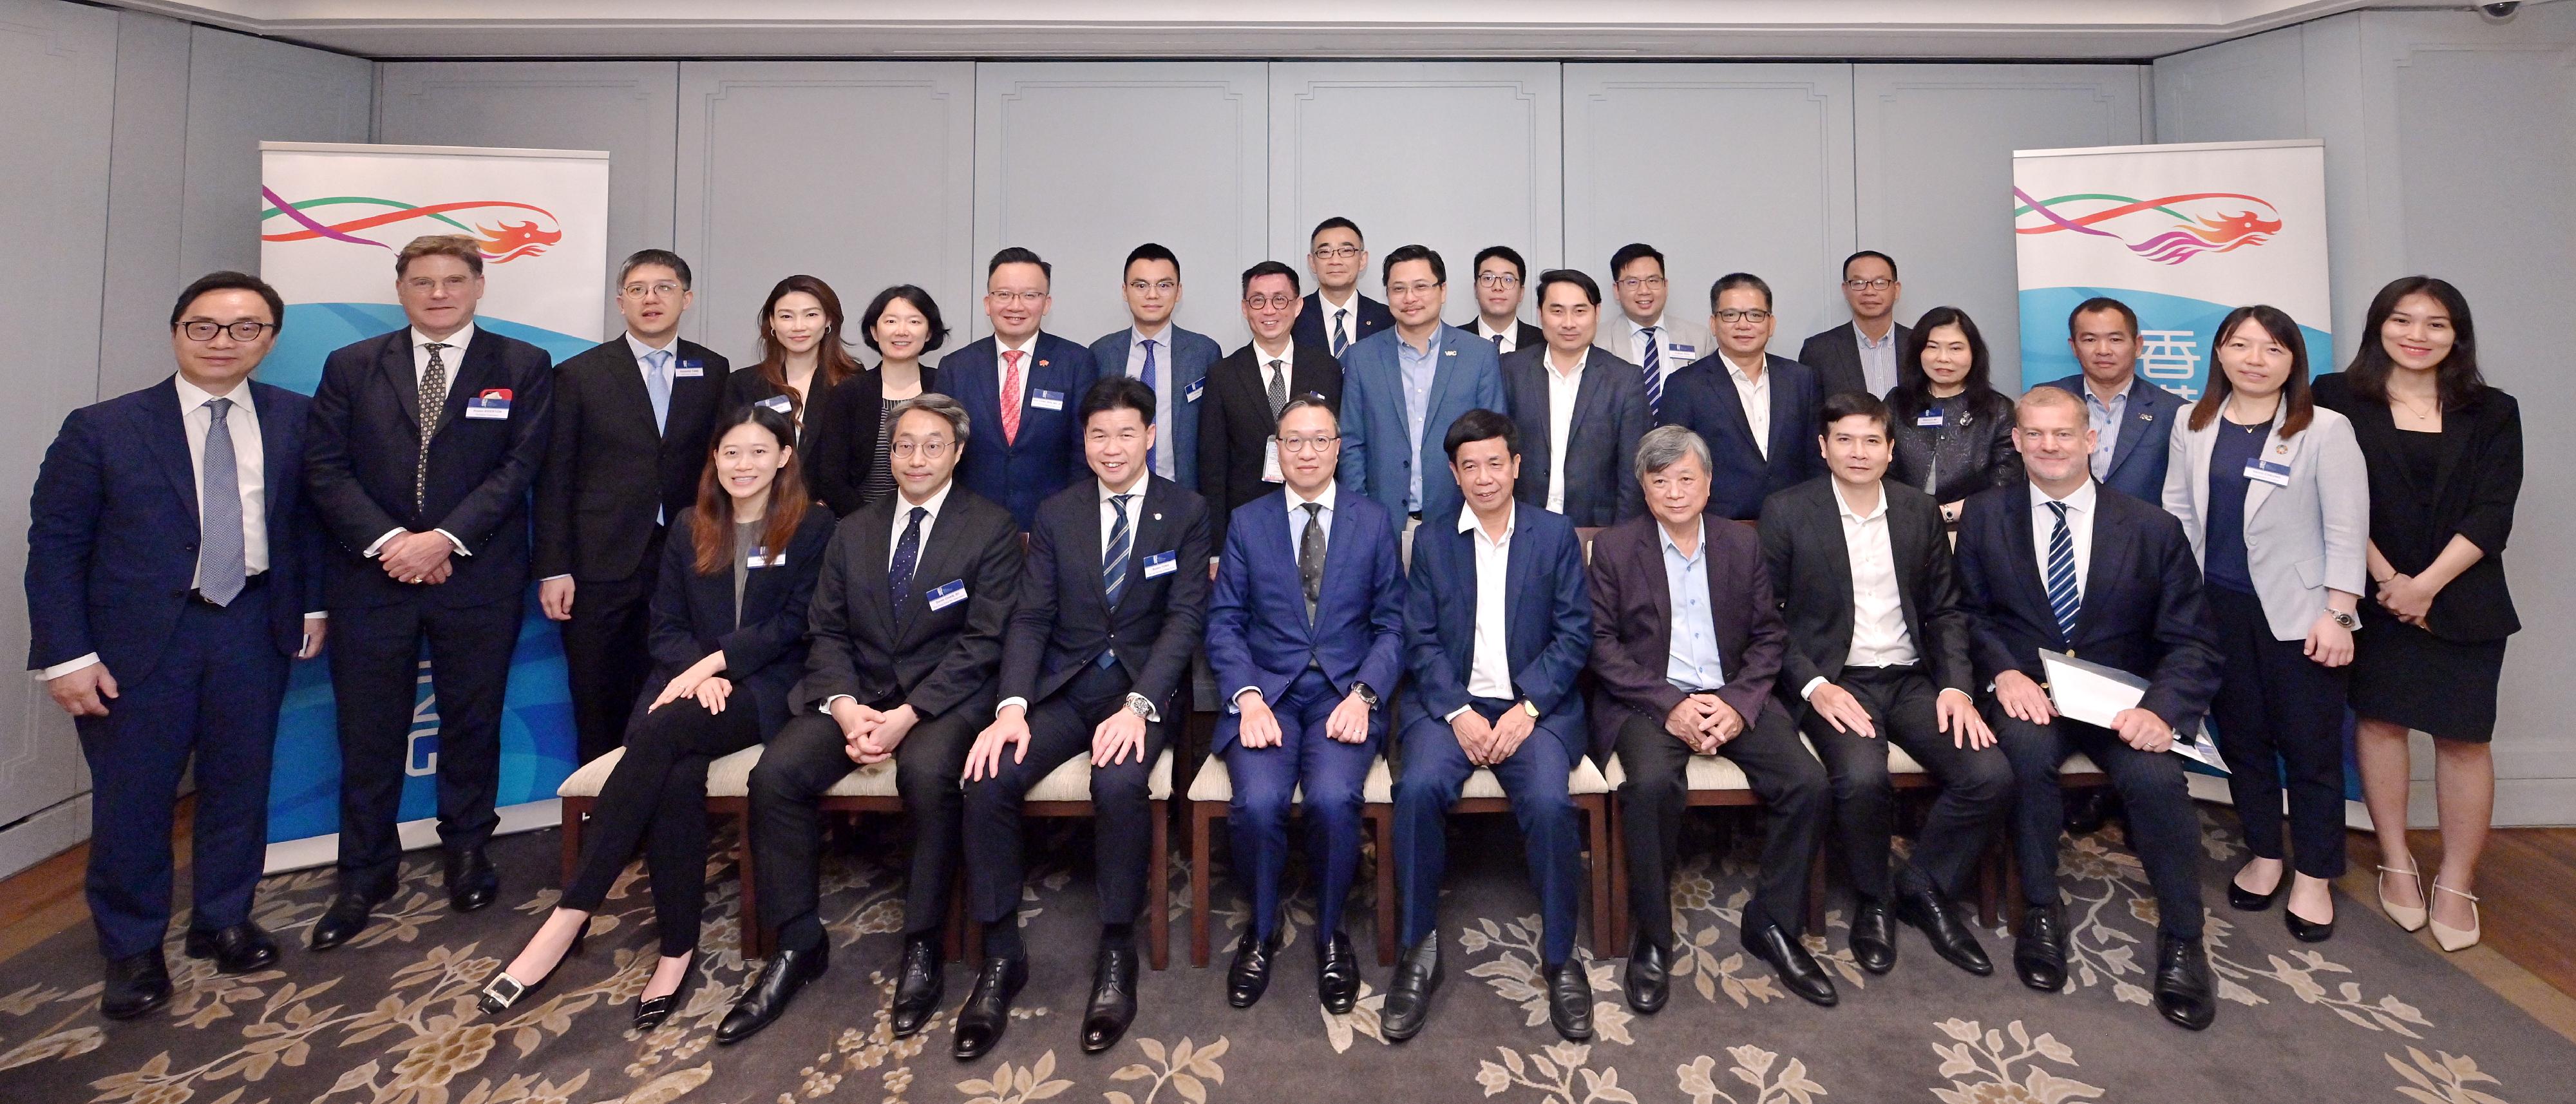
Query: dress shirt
x: 1562, y: 387
x: 1028, y: 351
x: 2105, y: 419
x: 1297, y: 533
x: 452, y: 358
x: 1163, y: 387
x: 1287, y: 371
x: 1489, y: 659
x: 902, y: 517
x: 1694, y: 664
x: 1878, y: 637
x: 1877, y: 358
x: 1347, y: 312
x: 2079, y: 527
x: 1755, y: 393
x: 1510, y: 338
x: 1108, y: 526
x: 1419, y: 369
x: 1662, y: 339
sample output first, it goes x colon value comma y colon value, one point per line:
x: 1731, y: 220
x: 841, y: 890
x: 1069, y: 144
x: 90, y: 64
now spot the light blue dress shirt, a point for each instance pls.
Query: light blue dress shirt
x: 1695, y: 664
x: 1418, y: 368
x: 2105, y: 420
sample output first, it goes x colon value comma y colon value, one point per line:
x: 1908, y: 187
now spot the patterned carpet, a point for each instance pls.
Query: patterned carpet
x: 2369, y: 1016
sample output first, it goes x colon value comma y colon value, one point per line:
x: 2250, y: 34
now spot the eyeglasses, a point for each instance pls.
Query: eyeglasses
x: 665, y: 289
x: 199, y: 329
x: 1010, y: 298
x: 1418, y: 287
x: 931, y: 449
x: 1336, y: 252
x: 1303, y: 445
x: 1165, y: 286
x: 449, y: 283
x: 1880, y: 284
x: 1634, y: 283
x: 1497, y: 280
x: 1731, y: 316
x: 1281, y: 301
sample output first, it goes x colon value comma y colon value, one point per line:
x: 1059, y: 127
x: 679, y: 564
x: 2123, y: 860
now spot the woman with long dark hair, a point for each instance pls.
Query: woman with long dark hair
x: 847, y: 459
x: 803, y: 353
x: 1953, y: 429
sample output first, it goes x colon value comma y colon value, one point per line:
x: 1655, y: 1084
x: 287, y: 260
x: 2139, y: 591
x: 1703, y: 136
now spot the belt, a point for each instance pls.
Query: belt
x: 248, y: 585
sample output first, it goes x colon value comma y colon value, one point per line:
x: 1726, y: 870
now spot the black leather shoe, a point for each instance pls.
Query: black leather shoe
x: 1650, y: 976
x: 1798, y: 969
x: 786, y: 972
x: 347, y: 916
x: 472, y: 884
x: 988, y: 1007
x: 2089, y: 810
x: 1408, y: 997
x: 1113, y: 997
x: 1939, y: 921
x: 2245, y: 900
x: 1569, y: 1000
x: 503, y: 990
x: 136, y: 984
x: 1249, y: 977
x: 2183, y: 991
x: 2039, y: 953
x: 239, y: 949
x: 650, y: 1012
x: 2305, y: 930
x: 919, y: 983
x: 1873, y: 936
x: 1337, y: 973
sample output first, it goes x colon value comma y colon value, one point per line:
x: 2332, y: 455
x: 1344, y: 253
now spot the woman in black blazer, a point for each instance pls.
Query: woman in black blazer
x: 728, y: 644
x: 845, y: 455
x: 803, y: 353
x: 1953, y: 429
x: 2445, y: 457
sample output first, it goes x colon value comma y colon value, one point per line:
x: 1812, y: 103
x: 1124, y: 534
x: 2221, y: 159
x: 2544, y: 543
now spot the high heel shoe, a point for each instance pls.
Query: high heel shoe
x: 503, y: 990
x: 2451, y: 938
x: 2245, y: 900
x: 651, y: 1011
x: 2408, y: 917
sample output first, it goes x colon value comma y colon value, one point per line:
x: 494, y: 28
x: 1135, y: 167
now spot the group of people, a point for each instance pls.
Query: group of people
x: 1496, y: 547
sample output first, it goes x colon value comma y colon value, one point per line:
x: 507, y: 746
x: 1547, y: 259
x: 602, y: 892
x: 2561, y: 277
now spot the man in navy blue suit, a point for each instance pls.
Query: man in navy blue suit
x: 169, y: 580
x: 1402, y: 388
x: 2131, y: 418
x: 1304, y: 633
x: 1756, y: 411
x: 1171, y: 360
x: 1336, y: 316
x: 1497, y: 624
x: 1019, y: 387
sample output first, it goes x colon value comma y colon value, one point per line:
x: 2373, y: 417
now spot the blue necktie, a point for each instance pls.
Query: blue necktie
x: 1150, y: 381
x: 2064, y: 599
x: 1113, y: 563
x: 1654, y: 367
x: 1341, y: 336
x: 657, y: 382
x: 221, y: 569
x: 907, y: 554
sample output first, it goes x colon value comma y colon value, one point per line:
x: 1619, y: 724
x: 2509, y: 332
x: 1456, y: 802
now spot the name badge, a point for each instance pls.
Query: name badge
x: 947, y: 594
x: 492, y: 404
x: 760, y: 557
x: 2277, y: 475
x: 691, y: 369
x: 1161, y: 563
x: 1046, y: 400
x: 1679, y: 348
x: 779, y: 403
x: 1929, y: 418
x: 1191, y: 393
x: 1270, y: 472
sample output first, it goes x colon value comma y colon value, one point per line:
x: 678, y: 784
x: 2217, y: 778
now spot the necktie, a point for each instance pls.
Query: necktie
x: 1149, y: 379
x: 1310, y: 557
x: 1113, y: 562
x: 907, y: 554
x: 657, y: 383
x: 220, y: 567
x: 1654, y: 368
x: 1498, y: 343
x: 1278, y: 388
x: 1341, y: 334
x: 2064, y: 599
x: 433, y: 402
x: 1011, y: 395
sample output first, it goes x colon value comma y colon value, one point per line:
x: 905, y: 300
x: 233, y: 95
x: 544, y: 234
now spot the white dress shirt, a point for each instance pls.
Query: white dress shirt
x: 1562, y: 387
x: 1489, y: 659
x: 1028, y: 351
x: 451, y: 358
x: 2079, y: 527
x: 1879, y: 637
x: 1510, y: 338
x: 1163, y: 387
x: 903, y: 517
x: 1347, y: 311
x: 1755, y: 393
x: 1662, y: 339
x: 1297, y: 533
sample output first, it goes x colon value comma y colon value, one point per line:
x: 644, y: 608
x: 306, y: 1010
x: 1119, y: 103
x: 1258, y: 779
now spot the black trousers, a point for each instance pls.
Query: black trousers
x: 375, y: 674
x: 605, y: 661
x: 1794, y: 794
x: 657, y: 799
x: 1122, y: 821
x: 2275, y: 708
x: 2163, y: 827
x: 1976, y: 785
x: 804, y: 759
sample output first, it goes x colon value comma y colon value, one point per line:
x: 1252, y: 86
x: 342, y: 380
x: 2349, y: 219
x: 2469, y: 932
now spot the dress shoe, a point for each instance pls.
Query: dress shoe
x: 1249, y: 977
x: 2089, y: 810
x: 919, y: 982
x: 2457, y: 939
x: 239, y: 949
x: 1939, y: 921
x: 136, y: 984
x: 1650, y: 976
x: 503, y: 990
x: 786, y: 972
x: 1569, y: 1000
x: 1798, y: 969
x: 1408, y: 997
x: 1113, y: 997
x: 2245, y: 900
x: 988, y: 1007
x: 2039, y: 953
x: 2409, y: 917
x: 472, y: 884
x: 2183, y: 991
x: 650, y: 1012
x: 340, y: 923
x: 1337, y: 973
x: 1873, y: 936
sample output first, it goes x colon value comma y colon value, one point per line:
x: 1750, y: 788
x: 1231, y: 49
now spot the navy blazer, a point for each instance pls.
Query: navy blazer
x: 693, y: 615
x: 594, y: 516
x: 1378, y: 451
x: 2139, y: 455
x: 1610, y: 416
x: 113, y: 530
x: 1312, y: 328
x: 1702, y: 396
x: 1047, y: 455
x: 1064, y: 620
x: 1547, y: 642
x: 1184, y: 361
x: 934, y: 660
x: 1258, y: 634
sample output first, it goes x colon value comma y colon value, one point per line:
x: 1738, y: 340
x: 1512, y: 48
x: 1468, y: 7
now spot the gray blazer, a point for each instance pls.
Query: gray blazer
x: 2299, y: 539
x: 1600, y: 441
x: 1689, y: 341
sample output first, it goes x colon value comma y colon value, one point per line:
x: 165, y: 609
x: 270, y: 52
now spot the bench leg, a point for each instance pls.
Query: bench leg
x: 1596, y: 812
x: 754, y: 939
x: 1816, y: 893
x: 1621, y: 924
x: 965, y: 937
x: 1158, y: 892
x: 1203, y: 815
x: 1385, y: 821
x: 573, y: 810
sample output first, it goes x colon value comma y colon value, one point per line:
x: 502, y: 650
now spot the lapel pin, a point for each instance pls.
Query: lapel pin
x: 2146, y: 417
x: 1042, y: 364
x: 2282, y: 449
x: 1158, y: 517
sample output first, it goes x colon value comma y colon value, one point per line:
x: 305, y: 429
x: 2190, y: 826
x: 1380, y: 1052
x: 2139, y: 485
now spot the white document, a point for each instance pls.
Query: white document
x: 2093, y: 693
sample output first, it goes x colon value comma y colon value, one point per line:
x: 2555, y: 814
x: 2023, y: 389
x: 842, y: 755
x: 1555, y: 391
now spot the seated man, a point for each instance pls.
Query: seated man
x: 907, y: 625
x: 1107, y: 621
x: 2063, y: 564
x: 1686, y: 641
x: 1496, y: 627
x: 1878, y: 656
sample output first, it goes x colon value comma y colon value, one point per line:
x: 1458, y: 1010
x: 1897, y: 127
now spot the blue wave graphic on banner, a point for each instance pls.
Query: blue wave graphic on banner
x: 2174, y: 333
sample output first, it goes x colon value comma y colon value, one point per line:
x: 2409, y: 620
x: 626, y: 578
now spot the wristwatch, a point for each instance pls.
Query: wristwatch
x: 2349, y: 622
x: 1366, y: 694
x: 1531, y: 706
x: 1140, y: 705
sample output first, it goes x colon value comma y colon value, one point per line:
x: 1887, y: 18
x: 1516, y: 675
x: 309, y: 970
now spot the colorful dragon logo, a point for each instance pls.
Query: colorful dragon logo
x: 2208, y: 222
x: 501, y: 243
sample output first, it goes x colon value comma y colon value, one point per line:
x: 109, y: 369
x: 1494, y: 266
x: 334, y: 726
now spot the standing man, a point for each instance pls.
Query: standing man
x: 1337, y: 316
x: 1500, y: 277
x: 1019, y: 385
x: 645, y: 402
x: 1641, y: 334
x: 1402, y: 388
x: 419, y: 455
x: 1753, y: 409
x: 1860, y: 355
x: 1581, y: 411
x: 1110, y: 609
x: 1171, y: 360
x: 1878, y: 657
x: 1238, y: 446
x: 2131, y: 419
x: 170, y: 578
x: 1497, y: 624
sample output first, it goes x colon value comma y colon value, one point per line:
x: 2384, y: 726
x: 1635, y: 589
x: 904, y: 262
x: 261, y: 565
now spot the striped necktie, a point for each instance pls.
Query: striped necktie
x: 2064, y: 597
x: 1654, y: 371
x: 1113, y: 562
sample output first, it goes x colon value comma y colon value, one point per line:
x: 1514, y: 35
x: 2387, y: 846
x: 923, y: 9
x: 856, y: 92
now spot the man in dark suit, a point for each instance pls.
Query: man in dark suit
x: 1238, y: 453
x: 908, y: 622
x: 1686, y: 641
x: 1337, y: 316
x: 1501, y: 278
x: 1580, y: 409
x: 1171, y: 360
x: 1497, y: 625
x: 1402, y: 388
x: 1878, y: 657
x: 2062, y: 565
x: 2131, y: 418
x: 1018, y: 387
x: 170, y: 578
x: 1753, y: 409
x: 645, y: 402
x: 1860, y: 355
x: 419, y: 454
x: 1110, y: 608
x: 1305, y: 630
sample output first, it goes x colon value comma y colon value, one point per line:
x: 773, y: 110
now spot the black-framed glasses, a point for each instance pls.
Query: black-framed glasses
x: 199, y: 329
x: 1732, y: 315
x: 1880, y: 284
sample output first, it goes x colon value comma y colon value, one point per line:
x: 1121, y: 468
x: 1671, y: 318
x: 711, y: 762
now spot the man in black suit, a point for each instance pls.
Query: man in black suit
x: 1109, y: 614
x: 1878, y: 657
x: 1501, y: 277
x: 1581, y: 410
x: 1860, y: 355
x: 1337, y: 316
x: 419, y: 453
x: 907, y: 628
x: 644, y: 402
x: 1237, y: 462
x: 1755, y: 410
x: 2064, y: 565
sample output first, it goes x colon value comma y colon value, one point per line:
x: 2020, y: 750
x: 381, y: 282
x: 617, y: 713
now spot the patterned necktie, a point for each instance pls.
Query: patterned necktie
x: 1341, y: 335
x: 657, y: 383
x: 1498, y: 343
x: 2064, y: 598
x: 433, y: 402
x: 907, y: 554
x: 1011, y: 395
x: 1278, y: 388
x: 1148, y: 377
x: 1310, y: 557
x: 1654, y: 369
x: 221, y: 570
x: 1113, y: 562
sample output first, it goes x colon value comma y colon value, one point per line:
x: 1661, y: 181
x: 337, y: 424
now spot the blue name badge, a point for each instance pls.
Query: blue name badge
x: 760, y: 557
x: 1679, y: 348
x: 2277, y: 475
x: 691, y: 369
x: 946, y: 594
x: 781, y: 404
x: 1192, y: 392
x: 1161, y: 563
x: 1046, y: 400
x: 493, y: 404
x: 1929, y: 418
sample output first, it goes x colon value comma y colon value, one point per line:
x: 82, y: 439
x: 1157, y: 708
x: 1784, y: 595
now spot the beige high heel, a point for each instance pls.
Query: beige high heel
x: 2451, y: 938
x: 2409, y: 917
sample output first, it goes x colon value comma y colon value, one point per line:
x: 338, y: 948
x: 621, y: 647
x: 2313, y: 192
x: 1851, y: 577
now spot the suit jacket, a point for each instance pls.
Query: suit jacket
x: 1703, y: 397
x: 2142, y: 609
x: 1600, y: 443
x: 1688, y: 341
x: 1469, y: 376
x: 934, y: 660
x: 1235, y: 426
x: 1064, y: 619
x: 1835, y: 355
x: 1258, y: 634
x: 2138, y: 457
x: 363, y: 443
x: 1047, y: 455
x: 1632, y: 624
x: 1810, y: 568
x: 839, y: 446
x: 1524, y: 335
x: 113, y: 530
x: 2472, y: 495
x: 1970, y: 451
x: 764, y: 646
x: 1312, y: 328
x: 1546, y: 642
x: 1183, y: 360
x: 2301, y: 538
x: 594, y: 517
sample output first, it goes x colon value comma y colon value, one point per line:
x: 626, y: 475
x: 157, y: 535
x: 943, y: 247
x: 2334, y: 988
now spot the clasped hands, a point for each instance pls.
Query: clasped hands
x: 417, y: 558
x: 1704, y: 722
x: 2022, y: 697
x: 1489, y: 742
x: 871, y: 735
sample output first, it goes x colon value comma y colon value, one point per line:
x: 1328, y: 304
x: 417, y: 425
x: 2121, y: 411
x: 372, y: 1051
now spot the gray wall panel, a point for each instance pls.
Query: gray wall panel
x: 243, y: 91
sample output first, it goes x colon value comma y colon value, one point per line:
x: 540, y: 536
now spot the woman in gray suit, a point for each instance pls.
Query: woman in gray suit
x: 2275, y: 497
